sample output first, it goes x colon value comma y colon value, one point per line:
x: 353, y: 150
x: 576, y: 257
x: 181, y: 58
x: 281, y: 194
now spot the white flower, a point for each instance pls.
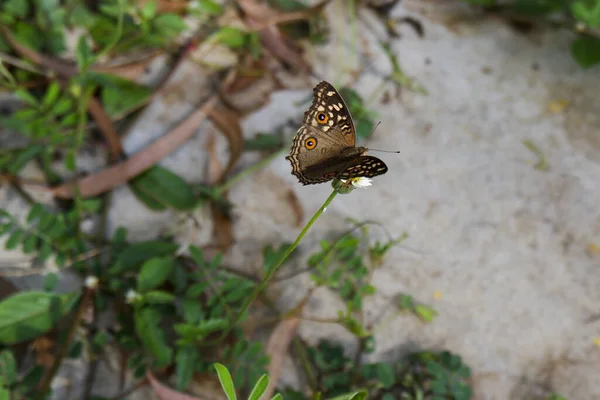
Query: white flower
x: 131, y: 296
x: 91, y: 282
x: 361, y: 182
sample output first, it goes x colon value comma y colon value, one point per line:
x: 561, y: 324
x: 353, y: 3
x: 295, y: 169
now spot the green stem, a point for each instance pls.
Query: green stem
x: 276, y: 267
x: 117, y: 33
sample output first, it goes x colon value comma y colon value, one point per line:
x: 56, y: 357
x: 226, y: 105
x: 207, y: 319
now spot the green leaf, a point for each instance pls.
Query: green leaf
x: 360, y: 395
x: 169, y: 24
x: 33, y: 377
x: 119, y: 95
x: 45, y: 251
x: 147, y: 326
x: 159, y: 297
x: 113, y: 10
x: 81, y: 16
x: 91, y: 205
x: 166, y: 188
x: 231, y: 37
x: 192, y: 310
x: 385, y: 373
x: 154, y: 273
x: 287, y: 5
x: 23, y: 158
x: 262, y: 142
x: 425, y: 313
x: 27, y: 35
x: 76, y: 349
x: 272, y: 255
x: 18, y: 8
x: 277, y: 397
x: 259, y: 388
x: 34, y: 212
x: 197, y: 255
x: 26, y: 97
x: 405, y: 302
x: 538, y: 8
x: 208, y: 7
x: 30, y: 244
x: 27, y: 315
x: 148, y: 10
x: 62, y: 106
x: 71, y: 160
x: 100, y: 340
x: 15, y: 238
x: 185, y: 365
x: 8, y: 368
x: 226, y: 382
x: 83, y: 53
x: 135, y: 255
x: 145, y: 198
x: 586, y: 51
x: 51, y: 94
x: 587, y: 11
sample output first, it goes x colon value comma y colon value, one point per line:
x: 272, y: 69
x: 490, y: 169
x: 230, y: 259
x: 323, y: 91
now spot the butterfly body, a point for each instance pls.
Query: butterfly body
x: 324, y: 147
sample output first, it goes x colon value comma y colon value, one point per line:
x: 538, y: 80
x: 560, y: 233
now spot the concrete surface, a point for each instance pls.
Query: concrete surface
x: 507, y: 248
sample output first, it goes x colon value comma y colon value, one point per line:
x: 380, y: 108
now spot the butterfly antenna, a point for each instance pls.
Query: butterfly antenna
x: 372, y: 132
x: 383, y: 151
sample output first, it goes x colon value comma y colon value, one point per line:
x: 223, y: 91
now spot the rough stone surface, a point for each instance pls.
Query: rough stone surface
x: 504, y: 245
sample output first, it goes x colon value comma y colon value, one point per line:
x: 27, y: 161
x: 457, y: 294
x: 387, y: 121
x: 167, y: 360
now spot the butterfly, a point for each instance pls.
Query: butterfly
x: 324, y: 147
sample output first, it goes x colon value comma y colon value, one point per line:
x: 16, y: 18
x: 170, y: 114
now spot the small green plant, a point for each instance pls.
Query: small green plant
x: 419, y: 375
x: 261, y: 386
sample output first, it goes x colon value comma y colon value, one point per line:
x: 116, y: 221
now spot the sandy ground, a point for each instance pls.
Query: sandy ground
x: 507, y: 249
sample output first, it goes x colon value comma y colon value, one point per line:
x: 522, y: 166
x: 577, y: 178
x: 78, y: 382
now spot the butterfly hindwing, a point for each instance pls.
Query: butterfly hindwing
x: 364, y: 166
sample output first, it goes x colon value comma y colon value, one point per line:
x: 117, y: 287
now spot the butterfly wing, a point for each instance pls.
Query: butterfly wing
x: 316, y: 158
x: 364, y: 166
x: 329, y: 114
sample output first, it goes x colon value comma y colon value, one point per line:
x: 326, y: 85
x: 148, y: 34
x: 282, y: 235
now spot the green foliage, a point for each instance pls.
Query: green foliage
x: 27, y: 315
x: 160, y: 189
x: 583, y: 16
x: 555, y: 396
x: 345, y: 266
x: 424, y: 312
x: 586, y: 50
x: 420, y: 375
x: 46, y: 234
x: 264, y: 142
x: 228, y: 386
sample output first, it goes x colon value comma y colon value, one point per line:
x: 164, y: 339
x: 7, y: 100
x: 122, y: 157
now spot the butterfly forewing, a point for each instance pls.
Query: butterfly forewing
x: 329, y: 113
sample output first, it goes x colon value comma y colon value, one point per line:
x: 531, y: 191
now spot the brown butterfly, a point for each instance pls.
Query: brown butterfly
x: 325, y: 146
